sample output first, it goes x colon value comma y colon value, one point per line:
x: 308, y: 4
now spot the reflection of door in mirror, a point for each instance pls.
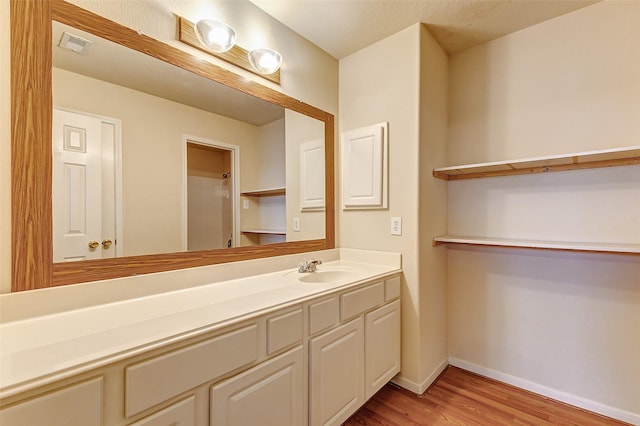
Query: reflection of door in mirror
x: 209, y: 197
x: 85, y: 199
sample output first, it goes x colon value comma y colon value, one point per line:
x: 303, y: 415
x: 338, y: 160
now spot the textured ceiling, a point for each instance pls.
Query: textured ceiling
x: 341, y: 27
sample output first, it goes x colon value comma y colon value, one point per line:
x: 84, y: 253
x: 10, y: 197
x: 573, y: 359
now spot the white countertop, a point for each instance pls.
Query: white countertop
x: 43, y: 349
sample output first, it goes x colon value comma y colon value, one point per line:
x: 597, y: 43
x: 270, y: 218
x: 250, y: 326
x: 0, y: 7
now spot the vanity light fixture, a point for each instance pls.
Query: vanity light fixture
x: 215, y: 35
x: 217, y: 39
x: 265, y: 61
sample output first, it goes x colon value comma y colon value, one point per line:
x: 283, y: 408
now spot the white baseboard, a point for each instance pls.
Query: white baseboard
x: 558, y: 395
x: 420, y: 388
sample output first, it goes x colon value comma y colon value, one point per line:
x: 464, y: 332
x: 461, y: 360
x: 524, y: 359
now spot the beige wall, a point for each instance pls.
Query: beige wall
x: 300, y: 129
x: 402, y: 80
x: 432, y: 207
x: 271, y: 156
x: 308, y: 73
x: 564, y: 323
x: 567, y: 85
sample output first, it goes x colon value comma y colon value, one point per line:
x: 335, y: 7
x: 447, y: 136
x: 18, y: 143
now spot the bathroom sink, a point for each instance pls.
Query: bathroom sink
x: 326, y: 276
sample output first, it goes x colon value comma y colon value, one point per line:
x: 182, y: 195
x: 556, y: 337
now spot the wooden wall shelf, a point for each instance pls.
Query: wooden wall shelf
x: 544, y: 245
x: 270, y: 192
x: 555, y: 163
x: 264, y: 231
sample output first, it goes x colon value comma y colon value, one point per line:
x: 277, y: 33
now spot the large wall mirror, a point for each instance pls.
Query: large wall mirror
x: 139, y: 157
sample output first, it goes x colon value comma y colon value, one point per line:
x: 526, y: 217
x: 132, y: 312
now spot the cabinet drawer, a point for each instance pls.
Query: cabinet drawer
x: 151, y: 382
x: 361, y: 300
x: 323, y: 315
x: 269, y: 394
x: 392, y: 288
x: 284, y: 330
x: 79, y: 404
x: 181, y: 413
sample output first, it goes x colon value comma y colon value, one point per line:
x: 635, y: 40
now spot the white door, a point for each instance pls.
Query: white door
x: 78, y: 203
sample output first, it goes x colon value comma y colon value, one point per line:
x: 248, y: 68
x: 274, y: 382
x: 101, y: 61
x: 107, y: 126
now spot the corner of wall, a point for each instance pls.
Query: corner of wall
x: 434, y: 78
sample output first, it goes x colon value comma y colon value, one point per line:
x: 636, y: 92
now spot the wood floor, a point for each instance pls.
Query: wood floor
x: 459, y: 397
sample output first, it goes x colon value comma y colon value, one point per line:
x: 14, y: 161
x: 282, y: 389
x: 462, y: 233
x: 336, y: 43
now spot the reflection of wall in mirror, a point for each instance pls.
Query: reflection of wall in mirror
x: 152, y: 153
x: 209, y: 196
x: 300, y: 129
x: 267, y: 164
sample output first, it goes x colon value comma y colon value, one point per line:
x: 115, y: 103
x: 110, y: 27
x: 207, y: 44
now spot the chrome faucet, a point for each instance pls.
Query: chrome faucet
x: 309, y: 265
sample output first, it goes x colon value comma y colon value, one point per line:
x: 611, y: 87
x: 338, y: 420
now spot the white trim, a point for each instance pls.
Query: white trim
x: 118, y: 190
x: 420, y: 388
x: 558, y: 395
x: 235, y: 173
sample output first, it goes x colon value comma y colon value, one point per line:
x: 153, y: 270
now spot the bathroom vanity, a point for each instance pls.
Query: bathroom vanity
x: 280, y: 348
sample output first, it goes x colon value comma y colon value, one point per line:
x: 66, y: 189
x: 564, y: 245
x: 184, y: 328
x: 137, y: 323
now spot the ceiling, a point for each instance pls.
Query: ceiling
x: 342, y: 27
x: 116, y: 64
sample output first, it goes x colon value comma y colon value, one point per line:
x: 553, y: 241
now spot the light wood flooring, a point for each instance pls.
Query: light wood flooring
x: 459, y: 397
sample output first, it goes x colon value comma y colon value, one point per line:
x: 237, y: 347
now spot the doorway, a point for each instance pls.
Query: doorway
x: 211, y: 180
x: 87, y: 207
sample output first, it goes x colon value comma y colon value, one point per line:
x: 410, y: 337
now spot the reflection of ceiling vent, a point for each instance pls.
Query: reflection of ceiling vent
x: 75, y: 43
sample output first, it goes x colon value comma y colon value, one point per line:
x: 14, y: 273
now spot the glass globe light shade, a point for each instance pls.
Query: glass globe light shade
x: 215, y: 35
x: 265, y: 61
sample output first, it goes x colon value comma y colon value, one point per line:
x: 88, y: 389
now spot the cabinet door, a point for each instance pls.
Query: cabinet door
x: 382, y: 346
x: 336, y: 377
x: 270, y: 394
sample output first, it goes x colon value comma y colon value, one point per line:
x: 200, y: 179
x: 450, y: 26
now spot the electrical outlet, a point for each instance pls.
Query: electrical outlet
x: 245, y: 204
x: 296, y: 224
x: 396, y: 226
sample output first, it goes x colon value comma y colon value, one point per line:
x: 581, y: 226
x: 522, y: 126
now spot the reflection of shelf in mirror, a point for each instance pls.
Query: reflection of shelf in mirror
x: 265, y: 231
x: 554, y: 163
x: 264, y: 192
x: 544, y: 245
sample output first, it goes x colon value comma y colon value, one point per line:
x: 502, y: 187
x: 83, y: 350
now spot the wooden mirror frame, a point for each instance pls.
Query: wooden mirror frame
x: 31, y: 162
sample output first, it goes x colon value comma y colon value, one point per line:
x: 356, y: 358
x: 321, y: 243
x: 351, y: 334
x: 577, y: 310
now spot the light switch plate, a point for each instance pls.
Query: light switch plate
x: 296, y: 224
x: 396, y: 225
x: 245, y: 204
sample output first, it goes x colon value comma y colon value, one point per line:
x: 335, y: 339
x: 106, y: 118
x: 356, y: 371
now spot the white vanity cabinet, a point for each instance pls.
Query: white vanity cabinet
x: 150, y: 382
x: 351, y: 362
x: 313, y: 361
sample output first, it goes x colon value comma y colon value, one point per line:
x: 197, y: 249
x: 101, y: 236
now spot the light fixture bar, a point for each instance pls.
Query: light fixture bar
x: 236, y: 55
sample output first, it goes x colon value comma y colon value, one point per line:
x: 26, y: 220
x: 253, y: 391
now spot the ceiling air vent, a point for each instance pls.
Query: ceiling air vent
x: 75, y: 43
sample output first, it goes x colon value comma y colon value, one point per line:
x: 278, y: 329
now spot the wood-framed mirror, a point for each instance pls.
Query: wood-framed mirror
x: 31, y: 158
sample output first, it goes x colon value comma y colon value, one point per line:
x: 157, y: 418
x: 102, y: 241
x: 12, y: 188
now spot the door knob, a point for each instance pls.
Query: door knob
x: 106, y: 243
x: 93, y: 245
